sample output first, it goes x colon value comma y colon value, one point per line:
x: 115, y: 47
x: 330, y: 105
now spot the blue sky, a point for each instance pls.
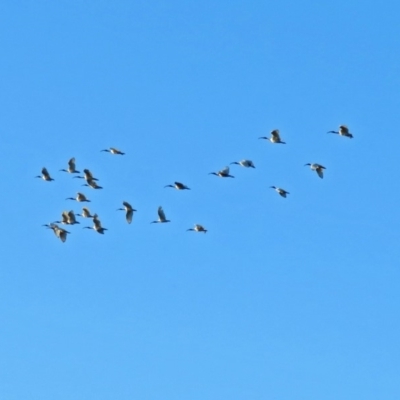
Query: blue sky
x: 293, y: 298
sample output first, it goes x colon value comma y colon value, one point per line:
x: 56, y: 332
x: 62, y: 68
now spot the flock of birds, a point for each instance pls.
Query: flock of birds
x: 69, y: 217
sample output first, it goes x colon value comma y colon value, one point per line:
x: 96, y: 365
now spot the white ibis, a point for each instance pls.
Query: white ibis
x: 244, y: 163
x: 275, y: 137
x: 161, y: 216
x: 79, y: 197
x: 71, y: 167
x: 68, y: 218
x: 59, y: 232
x: 85, y: 213
x: 92, y: 183
x: 198, y: 228
x: 88, y: 176
x: 178, y: 186
x: 281, y: 191
x: 71, y: 218
x: 113, y: 150
x: 343, y: 131
x: 45, y: 175
x: 129, y: 211
x: 318, y: 168
x: 224, y: 173
x: 96, y: 225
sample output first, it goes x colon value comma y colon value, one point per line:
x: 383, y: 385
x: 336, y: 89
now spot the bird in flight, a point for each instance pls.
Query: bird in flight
x: 275, y: 137
x: 343, y: 131
x: 71, y: 167
x: 59, y: 232
x: 318, y: 168
x: 244, y: 163
x: 113, y: 150
x: 87, y: 176
x: 224, y: 173
x: 68, y: 218
x: 178, y: 186
x: 161, y: 216
x: 96, y: 225
x: 45, y: 175
x: 79, y: 197
x: 92, y: 183
x: 281, y: 191
x: 129, y: 211
x: 85, y: 213
x: 198, y: 228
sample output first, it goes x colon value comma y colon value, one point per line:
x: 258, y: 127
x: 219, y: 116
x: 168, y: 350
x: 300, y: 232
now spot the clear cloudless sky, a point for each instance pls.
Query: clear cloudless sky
x: 294, y: 298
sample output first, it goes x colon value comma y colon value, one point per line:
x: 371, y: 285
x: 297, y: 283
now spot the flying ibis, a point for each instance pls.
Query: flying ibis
x: 45, y: 175
x: 178, y: 186
x: 161, y: 216
x: 113, y: 150
x: 198, y: 228
x: 71, y: 167
x: 275, y: 137
x: 129, y: 211
x: 79, y: 197
x: 280, y: 191
x: 343, y: 131
x: 59, y: 232
x: 318, y: 168
x: 224, y: 173
x: 244, y: 163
